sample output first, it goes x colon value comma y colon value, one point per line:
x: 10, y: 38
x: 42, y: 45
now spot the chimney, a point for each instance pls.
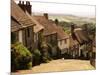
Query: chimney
x: 28, y: 7
x: 46, y: 15
x: 22, y: 2
x: 25, y: 7
x: 72, y: 29
x: 56, y: 21
x: 21, y: 5
x: 85, y: 28
x: 19, y: 2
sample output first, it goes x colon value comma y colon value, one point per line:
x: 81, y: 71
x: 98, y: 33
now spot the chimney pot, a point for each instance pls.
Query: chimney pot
x: 46, y: 15
x: 23, y: 2
x: 56, y: 21
x: 19, y: 2
x: 26, y: 6
x: 28, y: 2
x: 72, y: 29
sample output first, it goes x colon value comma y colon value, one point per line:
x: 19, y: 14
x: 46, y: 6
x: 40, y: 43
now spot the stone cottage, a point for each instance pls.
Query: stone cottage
x: 73, y: 48
x: 54, y: 35
x: 50, y: 35
x: 21, y: 27
x: 85, y: 43
x: 62, y: 37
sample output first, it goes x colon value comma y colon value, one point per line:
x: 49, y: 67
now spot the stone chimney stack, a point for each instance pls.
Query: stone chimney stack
x: 46, y: 15
x: 72, y: 29
x: 25, y: 7
x: 56, y: 21
x: 22, y: 2
x: 85, y: 28
x: 19, y: 2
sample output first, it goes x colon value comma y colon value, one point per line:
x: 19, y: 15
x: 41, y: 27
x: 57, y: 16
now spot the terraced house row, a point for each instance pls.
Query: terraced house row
x: 40, y: 32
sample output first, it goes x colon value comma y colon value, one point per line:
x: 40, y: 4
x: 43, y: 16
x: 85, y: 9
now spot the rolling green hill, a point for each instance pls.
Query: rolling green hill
x: 75, y: 19
x: 66, y: 20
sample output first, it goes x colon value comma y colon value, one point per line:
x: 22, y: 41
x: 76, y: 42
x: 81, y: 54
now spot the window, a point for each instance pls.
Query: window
x: 93, y: 55
x: 13, y: 37
x: 49, y: 39
x: 28, y: 32
x: 60, y: 42
x: 76, y: 47
x: 53, y: 39
x: 65, y: 40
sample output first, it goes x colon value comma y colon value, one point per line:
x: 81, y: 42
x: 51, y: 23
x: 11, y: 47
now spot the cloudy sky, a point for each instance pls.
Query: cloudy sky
x: 63, y: 8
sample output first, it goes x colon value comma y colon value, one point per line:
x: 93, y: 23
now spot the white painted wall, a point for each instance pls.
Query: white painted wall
x: 20, y: 37
x: 54, y: 51
x: 35, y: 40
x: 35, y: 37
x: 62, y: 45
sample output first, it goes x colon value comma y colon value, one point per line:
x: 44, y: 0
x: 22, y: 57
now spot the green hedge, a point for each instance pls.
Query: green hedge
x: 21, y: 57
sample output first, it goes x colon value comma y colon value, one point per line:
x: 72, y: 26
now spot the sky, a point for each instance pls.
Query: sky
x: 63, y: 8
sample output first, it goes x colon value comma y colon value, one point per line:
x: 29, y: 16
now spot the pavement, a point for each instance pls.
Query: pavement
x: 59, y: 65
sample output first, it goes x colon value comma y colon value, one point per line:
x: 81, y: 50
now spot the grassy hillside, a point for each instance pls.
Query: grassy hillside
x: 75, y: 19
x: 66, y: 21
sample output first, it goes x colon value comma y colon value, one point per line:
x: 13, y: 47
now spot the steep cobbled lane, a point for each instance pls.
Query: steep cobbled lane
x: 61, y: 65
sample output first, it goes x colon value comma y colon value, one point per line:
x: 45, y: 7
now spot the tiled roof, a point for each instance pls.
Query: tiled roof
x: 81, y: 36
x: 37, y: 26
x: 48, y: 29
x: 15, y: 26
x: 51, y: 27
x: 72, y: 42
x: 60, y: 32
x: 19, y: 15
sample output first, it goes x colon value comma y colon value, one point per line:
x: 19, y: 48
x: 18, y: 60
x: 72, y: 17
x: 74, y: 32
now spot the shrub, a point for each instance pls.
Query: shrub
x: 45, y: 59
x: 21, y: 58
x: 45, y: 52
x: 36, y: 57
x: 44, y: 45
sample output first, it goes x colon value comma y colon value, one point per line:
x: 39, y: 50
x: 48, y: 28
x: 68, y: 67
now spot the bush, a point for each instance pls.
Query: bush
x: 36, y: 57
x: 21, y: 58
x: 46, y: 52
x: 44, y: 46
x: 45, y: 59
